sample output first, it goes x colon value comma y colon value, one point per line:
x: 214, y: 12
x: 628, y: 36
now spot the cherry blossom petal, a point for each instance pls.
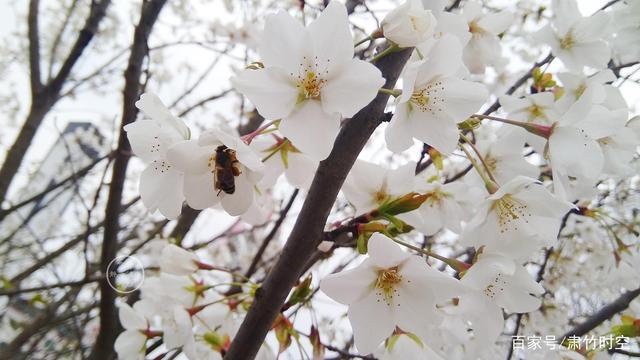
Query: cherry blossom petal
x: 161, y: 188
x: 444, y: 59
x: 350, y: 286
x: 130, y: 344
x: 189, y: 157
x: 566, y: 143
x: 147, y: 139
x: 238, y: 203
x: 462, y: 98
x: 300, y: 170
x: 496, y: 23
x: 176, y: 327
x: 385, y: 253
x: 283, y: 42
x: 354, y: 85
x: 130, y: 319
x: 271, y: 90
x: 371, y: 323
x: 153, y: 107
x: 199, y: 191
x: 311, y: 129
x: 432, y: 218
x: 441, y: 133
x: 398, y: 134
x: 330, y: 34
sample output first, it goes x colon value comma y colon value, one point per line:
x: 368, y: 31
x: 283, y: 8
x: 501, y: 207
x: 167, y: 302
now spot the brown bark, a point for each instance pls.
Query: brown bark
x: 109, y: 326
x: 308, y: 230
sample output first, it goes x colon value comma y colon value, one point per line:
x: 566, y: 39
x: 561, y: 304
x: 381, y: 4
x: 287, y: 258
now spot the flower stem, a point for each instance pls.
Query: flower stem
x: 259, y: 131
x: 453, y: 263
x: 537, y: 129
x: 377, y: 34
x: 395, y: 93
x: 491, y: 186
x: 368, y: 38
x: 475, y: 149
x: 391, y: 49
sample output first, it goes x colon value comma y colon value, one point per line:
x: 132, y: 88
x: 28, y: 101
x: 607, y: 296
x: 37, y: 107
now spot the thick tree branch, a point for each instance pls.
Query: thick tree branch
x: 103, y: 348
x: 308, y: 230
x: 34, y: 48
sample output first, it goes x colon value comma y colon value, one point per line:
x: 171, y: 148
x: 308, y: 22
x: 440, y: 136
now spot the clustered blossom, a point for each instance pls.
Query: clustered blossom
x: 184, y: 307
x: 310, y: 78
x: 524, y: 175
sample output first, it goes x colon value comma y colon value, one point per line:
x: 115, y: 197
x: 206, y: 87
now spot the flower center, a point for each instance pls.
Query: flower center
x: 580, y: 90
x: 475, y: 29
x: 380, y: 196
x: 491, y: 162
x: 386, y: 282
x: 436, y: 197
x: 428, y: 98
x: 510, y: 211
x: 605, y: 141
x: 310, y: 86
x: 535, y: 111
x: 496, y: 286
x: 309, y: 80
x: 567, y: 41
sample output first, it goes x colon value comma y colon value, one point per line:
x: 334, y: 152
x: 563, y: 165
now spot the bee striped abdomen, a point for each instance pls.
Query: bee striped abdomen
x: 226, y: 168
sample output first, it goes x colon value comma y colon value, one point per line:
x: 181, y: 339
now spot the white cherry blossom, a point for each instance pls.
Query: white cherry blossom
x: 625, y: 30
x: 310, y: 78
x: 198, y: 158
x: 161, y: 182
x: 577, y: 134
x: 576, y: 40
x: 537, y: 108
x: 484, y: 47
x: 176, y: 327
x: 409, y: 24
x: 504, y: 283
x: 597, y: 85
x: 502, y: 152
x: 496, y: 283
x: 446, y: 206
x: 131, y: 343
x: 390, y: 288
x: 369, y: 185
x: 517, y: 220
x: 434, y: 99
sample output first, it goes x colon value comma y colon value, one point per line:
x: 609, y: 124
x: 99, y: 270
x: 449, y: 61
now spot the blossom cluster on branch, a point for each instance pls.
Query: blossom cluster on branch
x: 528, y: 169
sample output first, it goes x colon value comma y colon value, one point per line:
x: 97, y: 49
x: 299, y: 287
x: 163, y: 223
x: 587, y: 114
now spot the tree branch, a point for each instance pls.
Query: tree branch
x: 109, y: 326
x: 604, y: 314
x: 308, y: 230
x: 34, y: 48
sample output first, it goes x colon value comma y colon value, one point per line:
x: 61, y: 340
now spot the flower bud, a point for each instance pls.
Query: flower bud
x: 409, y: 24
